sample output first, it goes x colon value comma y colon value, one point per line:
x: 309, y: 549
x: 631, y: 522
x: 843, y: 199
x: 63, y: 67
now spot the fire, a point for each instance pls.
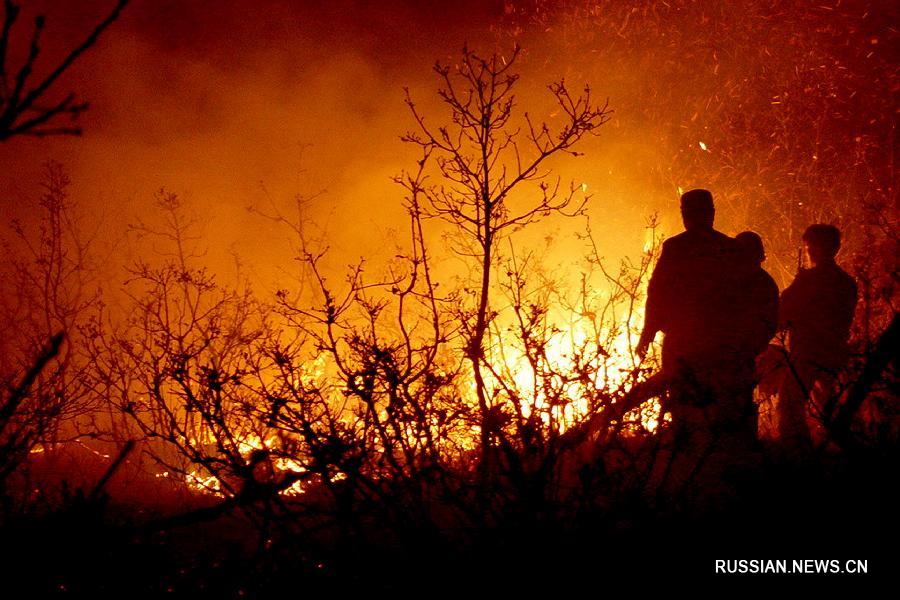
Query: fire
x: 201, y: 480
x: 613, y: 367
x: 546, y: 379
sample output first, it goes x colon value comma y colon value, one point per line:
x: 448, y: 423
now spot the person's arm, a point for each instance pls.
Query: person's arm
x: 647, y: 336
x: 654, y: 310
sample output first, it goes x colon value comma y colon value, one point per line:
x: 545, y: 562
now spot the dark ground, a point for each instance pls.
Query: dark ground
x: 117, y: 543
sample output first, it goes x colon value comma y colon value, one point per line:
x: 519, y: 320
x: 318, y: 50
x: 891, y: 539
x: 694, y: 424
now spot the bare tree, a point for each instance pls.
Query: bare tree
x: 173, y: 366
x: 52, y: 296
x: 24, y: 415
x: 24, y: 106
x: 482, y: 158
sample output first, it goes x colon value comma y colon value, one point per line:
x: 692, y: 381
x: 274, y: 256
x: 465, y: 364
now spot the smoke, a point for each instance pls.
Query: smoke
x: 233, y: 104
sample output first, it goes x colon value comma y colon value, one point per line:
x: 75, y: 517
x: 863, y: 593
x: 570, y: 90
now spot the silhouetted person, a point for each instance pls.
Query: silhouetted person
x: 690, y: 299
x: 693, y: 298
x: 816, y: 311
x: 756, y: 319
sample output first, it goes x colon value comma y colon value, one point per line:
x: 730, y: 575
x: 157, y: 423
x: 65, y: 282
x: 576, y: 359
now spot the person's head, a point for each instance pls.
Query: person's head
x: 822, y: 242
x: 697, y: 210
x: 750, y: 248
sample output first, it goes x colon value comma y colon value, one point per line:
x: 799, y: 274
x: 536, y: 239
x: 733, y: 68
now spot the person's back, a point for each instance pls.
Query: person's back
x: 756, y: 302
x: 689, y: 293
x: 755, y: 323
x: 695, y: 268
x: 817, y: 312
x: 691, y: 298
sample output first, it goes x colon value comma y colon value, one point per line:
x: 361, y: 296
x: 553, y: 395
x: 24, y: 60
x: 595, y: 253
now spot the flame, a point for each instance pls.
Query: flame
x: 613, y: 370
x: 613, y: 367
x: 548, y: 388
x: 200, y: 480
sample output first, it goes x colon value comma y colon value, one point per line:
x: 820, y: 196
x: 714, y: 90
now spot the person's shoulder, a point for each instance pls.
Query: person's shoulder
x: 764, y: 277
x: 802, y: 282
x: 768, y: 282
x: 760, y: 280
x: 675, y: 243
x: 677, y: 239
x: 725, y: 243
x: 689, y: 239
x: 843, y: 274
x: 830, y: 273
x: 846, y: 279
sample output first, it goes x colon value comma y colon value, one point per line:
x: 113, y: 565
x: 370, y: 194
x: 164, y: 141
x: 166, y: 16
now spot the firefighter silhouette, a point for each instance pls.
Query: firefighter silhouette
x: 757, y: 311
x: 690, y: 299
x: 700, y: 298
x: 756, y: 322
x: 816, y: 311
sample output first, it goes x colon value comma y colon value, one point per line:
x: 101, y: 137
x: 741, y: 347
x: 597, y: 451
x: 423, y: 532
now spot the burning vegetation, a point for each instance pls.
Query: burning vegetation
x: 473, y: 395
